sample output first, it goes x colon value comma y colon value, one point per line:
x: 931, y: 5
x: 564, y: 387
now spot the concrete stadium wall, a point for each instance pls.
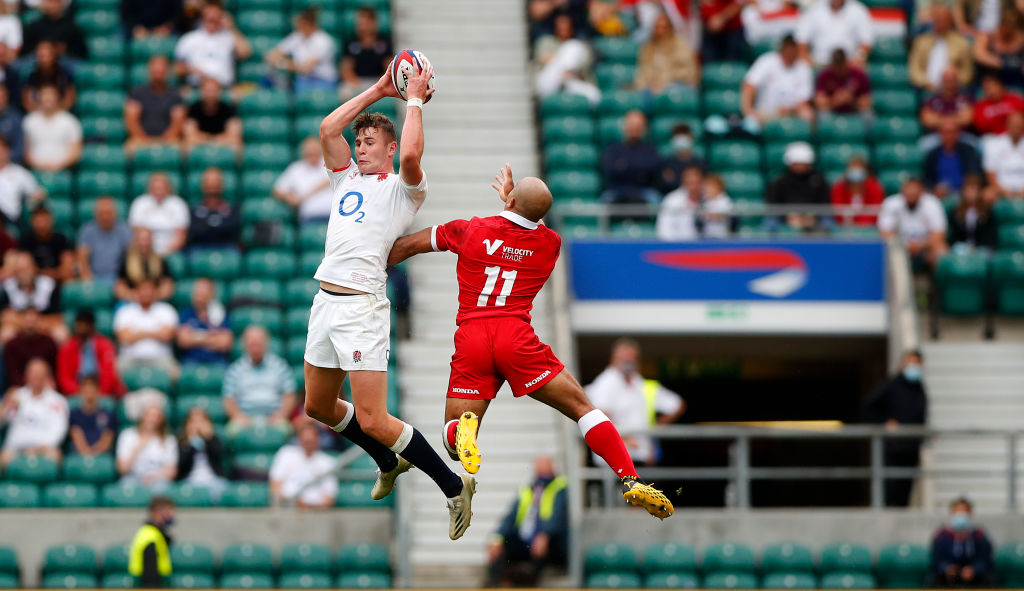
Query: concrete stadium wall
x: 30, y: 532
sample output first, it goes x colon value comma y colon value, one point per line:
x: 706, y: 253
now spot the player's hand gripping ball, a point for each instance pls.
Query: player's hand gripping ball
x: 408, y: 63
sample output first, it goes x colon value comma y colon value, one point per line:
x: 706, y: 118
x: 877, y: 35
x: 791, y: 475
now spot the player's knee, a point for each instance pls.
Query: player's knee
x: 315, y: 410
x: 373, y: 424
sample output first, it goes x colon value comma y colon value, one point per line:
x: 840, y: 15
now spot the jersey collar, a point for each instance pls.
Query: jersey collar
x: 519, y: 220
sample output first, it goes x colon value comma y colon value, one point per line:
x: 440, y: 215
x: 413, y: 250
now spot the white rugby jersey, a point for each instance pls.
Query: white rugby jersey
x: 368, y: 213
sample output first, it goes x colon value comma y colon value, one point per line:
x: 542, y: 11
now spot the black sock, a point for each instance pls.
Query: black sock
x: 385, y: 458
x: 421, y: 455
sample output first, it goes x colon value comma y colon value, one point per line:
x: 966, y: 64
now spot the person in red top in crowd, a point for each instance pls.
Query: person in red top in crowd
x: 857, y: 188
x: 842, y: 87
x: 994, y: 106
x: 504, y: 260
x: 8, y: 246
x: 88, y: 353
x: 723, y: 38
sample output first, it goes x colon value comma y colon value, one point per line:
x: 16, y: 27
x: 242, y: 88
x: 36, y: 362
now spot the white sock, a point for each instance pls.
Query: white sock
x: 403, y: 440
x: 591, y: 420
x: 350, y: 411
x: 444, y: 435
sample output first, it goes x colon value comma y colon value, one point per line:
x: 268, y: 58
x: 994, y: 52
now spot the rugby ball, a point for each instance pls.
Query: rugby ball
x: 408, y: 63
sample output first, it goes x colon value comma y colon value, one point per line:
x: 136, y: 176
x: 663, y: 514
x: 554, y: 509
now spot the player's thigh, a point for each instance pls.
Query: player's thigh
x: 322, y: 385
x: 473, y: 373
x: 565, y: 395
x: 524, y: 361
x: 454, y: 407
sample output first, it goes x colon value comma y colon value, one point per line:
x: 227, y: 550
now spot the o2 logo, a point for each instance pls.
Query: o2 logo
x: 350, y: 204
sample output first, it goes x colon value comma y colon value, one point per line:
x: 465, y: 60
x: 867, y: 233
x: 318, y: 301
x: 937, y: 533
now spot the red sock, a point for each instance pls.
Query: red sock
x: 603, y: 439
x: 449, y: 434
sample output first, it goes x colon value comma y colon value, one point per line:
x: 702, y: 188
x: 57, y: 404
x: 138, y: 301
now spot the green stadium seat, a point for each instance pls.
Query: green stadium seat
x: 57, y: 184
x: 62, y: 209
x: 570, y: 156
x: 102, y: 103
x: 788, y: 129
x: 262, y: 22
x: 848, y: 580
x: 249, y: 292
x: 65, y: 495
x: 845, y: 557
x: 9, y: 581
x: 269, y: 236
x: 723, y: 75
x: 889, y: 50
x: 316, y: 102
x: 1008, y: 282
x: 70, y: 581
x: 614, y: 76
x: 265, y: 209
x: 37, y: 469
x: 888, y: 75
x: 363, y: 557
x: 663, y: 126
x: 728, y: 556
x: 899, y: 129
x: 246, y: 494
x: 842, y: 128
x: 563, y: 103
x: 300, y: 292
x: 677, y: 101
x: 837, y: 155
x: 223, y: 264
x: 789, y: 580
x: 730, y: 580
x: 247, y: 558
x: 898, y: 155
x: 117, y: 581
x: 201, y: 157
x: 738, y: 155
x: 618, y: 102
x: 188, y: 557
x: 903, y: 566
x: 267, y: 317
x: 305, y: 580
x: 613, y: 580
x: 252, y: 72
x: 259, y: 438
x: 98, y: 22
x: 254, y: 463
x: 773, y: 164
x: 115, y: 558
x: 670, y: 557
x: 86, y: 294
x: 616, y: 50
x: 308, y: 558
x: 297, y: 321
x: 143, y: 49
x: 109, y: 130
x: 106, y: 49
x: 309, y: 126
x: 199, y: 378
x: 265, y: 102
x: 610, y: 556
x: 787, y: 557
x: 893, y: 179
x: 309, y: 261
x: 69, y: 558
x: 138, y: 75
x: 568, y: 129
x: 144, y: 376
x: 961, y: 280
x: 270, y: 263
x: 295, y: 348
x: 721, y: 102
x: 1010, y: 564
x: 19, y: 495
x: 186, y: 495
x: 242, y: 580
x: 213, y: 404
x: 102, y: 183
x: 266, y: 129
x: 895, y: 102
x: 9, y: 561
x: 124, y: 495
x: 192, y: 581
x: 1009, y: 212
x: 574, y: 183
x: 672, y: 580
x: 748, y: 186
x: 609, y: 129
x: 96, y: 157
x: 273, y: 157
x: 363, y: 581
x: 1011, y: 237
x: 356, y: 494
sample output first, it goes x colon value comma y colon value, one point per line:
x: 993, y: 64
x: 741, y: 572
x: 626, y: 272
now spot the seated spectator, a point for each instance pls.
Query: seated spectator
x: 88, y: 354
x: 17, y: 185
x: 29, y: 343
x: 57, y: 25
x: 631, y: 166
x: 365, y: 58
x: 149, y: 18
x: 52, y: 251
x: 27, y: 289
x: 722, y: 38
x: 10, y: 30
x: 917, y: 220
x: 215, y: 223
x: 305, y: 184
x: 778, y: 84
x: 666, y: 60
x: 164, y: 214
x: 308, y: 53
x: 646, y: 14
x: 92, y: 427
x: 972, y: 223
x: 973, y: 17
x: 258, y: 387
x: 37, y: 417
x: 949, y: 102
x: 565, y: 63
x: 677, y: 217
x: 961, y: 551
x: 856, y: 190
x: 842, y: 88
x: 994, y: 106
x: 12, y: 132
x: 543, y: 14
x: 937, y: 50
x: 102, y: 243
x: 946, y: 166
x: 1001, y: 51
x: 1004, y: 158
x: 801, y: 184
x: 53, y: 137
x: 147, y: 455
x: 211, y: 49
x: 212, y: 120
x: 204, y: 334
x: 201, y: 454
x: 835, y: 24
x: 141, y: 263
x: 716, y: 209
x: 682, y: 157
x: 48, y: 72
x: 302, y: 474
x: 154, y: 112
x: 145, y: 332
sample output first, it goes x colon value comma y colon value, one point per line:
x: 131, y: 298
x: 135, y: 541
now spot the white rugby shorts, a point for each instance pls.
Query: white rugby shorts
x: 350, y: 332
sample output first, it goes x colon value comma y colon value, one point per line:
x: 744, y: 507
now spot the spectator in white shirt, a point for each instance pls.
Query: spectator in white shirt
x: 211, y: 49
x: 165, y: 215
x: 302, y: 474
x: 778, y: 84
x: 835, y: 24
x: 633, y: 403
x: 308, y: 52
x: 53, y: 138
x: 37, y: 416
x: 565, y: 63
x: 677, y: 217
x: 305, y: 184
x: 16, y: 185
x: 145, y: 331
x: 918, y: 220
x: 147, y: 454
x: 716, y: 210
x: 1004, y: 158
x: 10, y: 27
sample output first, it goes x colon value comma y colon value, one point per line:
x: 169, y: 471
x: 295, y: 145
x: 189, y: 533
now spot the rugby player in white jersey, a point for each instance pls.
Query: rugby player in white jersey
x: 350, y: 322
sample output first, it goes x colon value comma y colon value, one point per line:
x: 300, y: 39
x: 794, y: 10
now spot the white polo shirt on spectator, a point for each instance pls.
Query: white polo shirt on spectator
x: 156, y: 455
x: 300, y: 178
x: 133, y: 316
x: 912, y: 225
x: 677, y: 218
x: 319, y: 46
x: 827, y: 30
x: 778, y: 87
x: 162, y: 218
x: 16, y: 185
x: 39, y: 421
x: 294, y: 469
x: 10, y: 32
x: 1005, y: 160
x: 625, y: 403
x: 50, y: 139
x: 212, y: 55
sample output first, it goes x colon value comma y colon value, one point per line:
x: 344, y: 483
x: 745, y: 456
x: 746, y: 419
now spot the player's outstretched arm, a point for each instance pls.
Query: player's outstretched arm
x: 410, y: 245
x: 337, y: 152
x: 410, y: 150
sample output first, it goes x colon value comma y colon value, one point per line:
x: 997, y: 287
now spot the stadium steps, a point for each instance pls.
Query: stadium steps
x: 974, y: 385
x: 481, y: 118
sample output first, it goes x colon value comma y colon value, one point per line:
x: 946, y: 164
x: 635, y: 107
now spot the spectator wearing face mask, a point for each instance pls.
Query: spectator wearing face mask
x: 682, y: 157
x: 857, y: 189
x: 917, y: 219
x: 961, y: 551
x: 901, y: 400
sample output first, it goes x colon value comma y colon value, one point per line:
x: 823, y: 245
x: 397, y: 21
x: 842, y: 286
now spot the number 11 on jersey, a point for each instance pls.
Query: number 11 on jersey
x: 509, y: 278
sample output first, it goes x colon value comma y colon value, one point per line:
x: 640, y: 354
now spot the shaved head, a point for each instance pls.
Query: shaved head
x: 530, y: 198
